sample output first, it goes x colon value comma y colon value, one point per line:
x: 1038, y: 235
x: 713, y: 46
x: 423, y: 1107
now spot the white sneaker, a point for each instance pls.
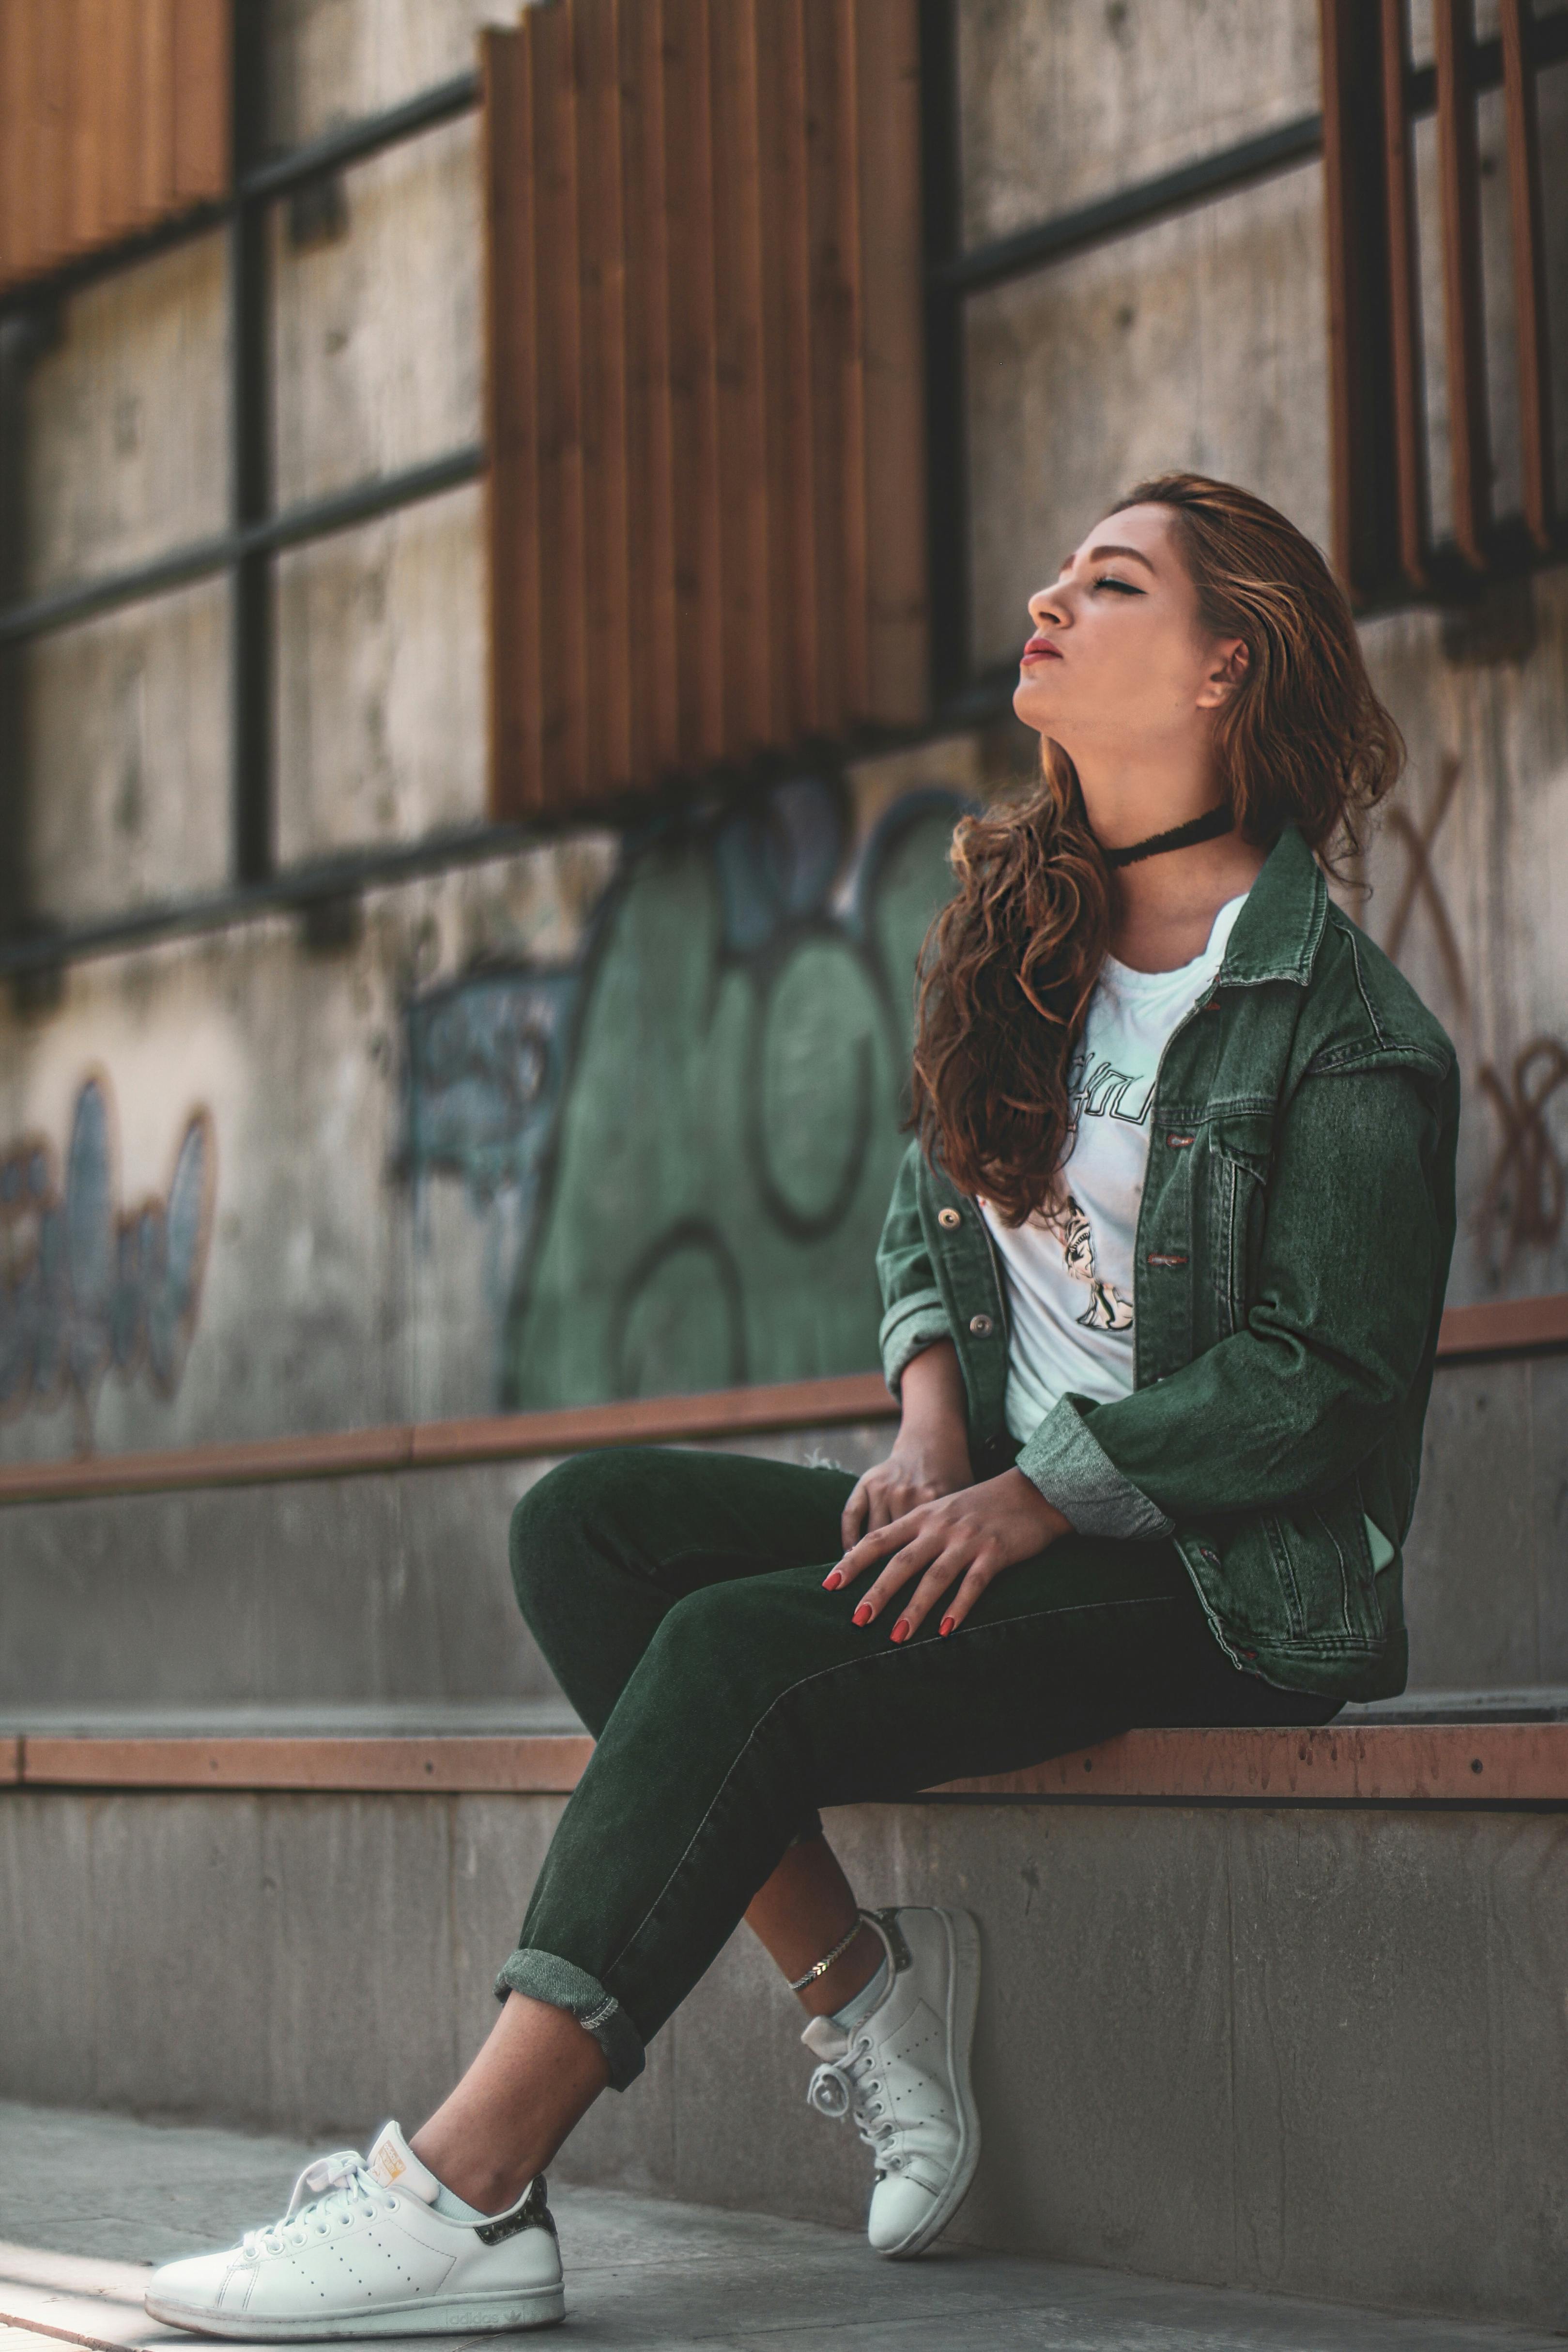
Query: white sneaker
x: 363, y: 2251
x: 903, y: 2076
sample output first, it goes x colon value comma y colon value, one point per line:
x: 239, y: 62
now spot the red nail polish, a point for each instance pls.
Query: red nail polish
x: 832, y: 1581
x: 901, y: 1630
x: 863, y: 1614
x: 945, y: 1628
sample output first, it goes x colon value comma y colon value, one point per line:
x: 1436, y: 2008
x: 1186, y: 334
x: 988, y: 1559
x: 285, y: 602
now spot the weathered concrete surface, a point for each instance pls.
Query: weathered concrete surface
x: 92, y: 2199
x: 1062, y: 103
x: 1308, y: 2051
x: 1186, y: 344
x: 391, y: 1587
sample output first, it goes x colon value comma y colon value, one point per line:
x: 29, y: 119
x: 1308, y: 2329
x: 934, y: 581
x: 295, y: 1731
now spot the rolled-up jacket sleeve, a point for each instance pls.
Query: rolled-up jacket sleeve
x: 1352, y: 1262
x: 914, y: 1317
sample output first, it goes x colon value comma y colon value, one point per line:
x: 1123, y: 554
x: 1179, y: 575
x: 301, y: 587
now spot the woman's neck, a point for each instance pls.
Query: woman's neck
x: 1165, y: 906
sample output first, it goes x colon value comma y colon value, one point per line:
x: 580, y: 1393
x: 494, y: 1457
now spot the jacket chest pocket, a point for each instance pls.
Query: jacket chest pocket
x: 1238, y: 1153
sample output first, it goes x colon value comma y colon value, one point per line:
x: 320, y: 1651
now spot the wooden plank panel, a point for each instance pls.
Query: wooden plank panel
x: 14, y: 82
x: 887, y: 144
x: 535, y: 1764
x: 52, y: 194
x: 787, y: 367
x: 1459, y: 172
x: 826, y: 312
x: 746, y: 648
x: 203, y: 162
x: 852, y: 366
x: 1509, y: 1763
x: 602, y: 244
x: 119, y: 67
x: 688, y: 178
x: 1412, y: 508
x: 1354, y: 186
x: 564, y: 682
x: 1537, y: 452
x: 1357, y: 1763
x: 90, y: 215
x: 512, y: 429
x: 158, y: 189
x: 650, y: 512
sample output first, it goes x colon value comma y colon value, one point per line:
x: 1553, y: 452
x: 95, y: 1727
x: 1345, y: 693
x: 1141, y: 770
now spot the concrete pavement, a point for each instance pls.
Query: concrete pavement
x: 88, y: 2201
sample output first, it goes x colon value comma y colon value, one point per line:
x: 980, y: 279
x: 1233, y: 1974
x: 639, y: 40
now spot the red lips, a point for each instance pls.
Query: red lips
x: 1041, y: 649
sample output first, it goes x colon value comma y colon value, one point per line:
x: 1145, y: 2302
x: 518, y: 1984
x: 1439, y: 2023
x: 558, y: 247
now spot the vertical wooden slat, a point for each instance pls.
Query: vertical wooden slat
x: 158, y: 186
x: 1537, y: 454
x: 512, y: 427
x: 556, y: 262
x: 121, y: 67
x: 1360, y: 369
x: 692, y: 380
x: 747, y: 647
x: 14, y: 82
x: 656, y: 716
x: 88, y: 212
x: 51, y: 240
x: 787, y: 365
x: 826, y: 315
x: 602, y: 239
x: 1459, y: 177
x: 852, y: 365
x: 202, y: 36
x: 21, y: 161
x: 889, y: 143
x: 1413, y: 522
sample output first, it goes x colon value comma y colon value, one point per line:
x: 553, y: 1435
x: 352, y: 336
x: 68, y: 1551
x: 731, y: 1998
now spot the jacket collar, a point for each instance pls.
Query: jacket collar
x: 1280, y: 930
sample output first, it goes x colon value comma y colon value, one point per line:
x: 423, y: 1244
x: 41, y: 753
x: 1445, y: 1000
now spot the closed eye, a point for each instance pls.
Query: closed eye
x: 1123, y: 587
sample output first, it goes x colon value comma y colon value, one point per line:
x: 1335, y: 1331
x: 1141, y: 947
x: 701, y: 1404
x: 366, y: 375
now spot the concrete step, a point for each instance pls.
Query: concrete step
x: 89, y: 2200
x: 1276, y: 2011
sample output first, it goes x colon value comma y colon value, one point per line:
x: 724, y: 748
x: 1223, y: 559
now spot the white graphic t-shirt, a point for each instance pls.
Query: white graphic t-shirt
x: 1069, y: 1274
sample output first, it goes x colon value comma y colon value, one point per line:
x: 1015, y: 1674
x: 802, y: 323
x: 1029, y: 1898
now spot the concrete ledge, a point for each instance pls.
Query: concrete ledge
x: 1492, y: 1763
x: 1513, y: 1326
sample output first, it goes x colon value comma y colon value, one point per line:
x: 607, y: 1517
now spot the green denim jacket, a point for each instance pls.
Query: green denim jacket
x: 1291, y: 1256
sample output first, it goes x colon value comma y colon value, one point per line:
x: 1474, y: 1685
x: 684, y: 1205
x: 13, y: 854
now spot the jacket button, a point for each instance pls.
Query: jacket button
x: 981, y: 1326
x: 948, y: 1217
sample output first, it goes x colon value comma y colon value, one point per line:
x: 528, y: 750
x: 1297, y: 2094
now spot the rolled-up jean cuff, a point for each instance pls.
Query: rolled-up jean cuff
x: 541, y: 1976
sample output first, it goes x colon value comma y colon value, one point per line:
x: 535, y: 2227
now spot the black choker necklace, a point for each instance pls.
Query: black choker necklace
x: 1207, y: 827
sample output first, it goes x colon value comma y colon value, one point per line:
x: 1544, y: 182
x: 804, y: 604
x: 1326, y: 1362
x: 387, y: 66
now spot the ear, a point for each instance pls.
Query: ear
x: 1226, y: 672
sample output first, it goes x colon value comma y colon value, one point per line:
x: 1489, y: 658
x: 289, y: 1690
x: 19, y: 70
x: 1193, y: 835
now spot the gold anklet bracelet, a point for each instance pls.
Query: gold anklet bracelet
x: 837, y: 1953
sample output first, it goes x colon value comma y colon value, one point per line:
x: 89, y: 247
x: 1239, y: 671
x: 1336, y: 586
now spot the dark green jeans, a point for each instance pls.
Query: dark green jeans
x: 678, y: 1598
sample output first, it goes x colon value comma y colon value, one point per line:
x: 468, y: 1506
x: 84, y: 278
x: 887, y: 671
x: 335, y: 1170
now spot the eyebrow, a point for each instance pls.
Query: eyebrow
x: 1095, y: 553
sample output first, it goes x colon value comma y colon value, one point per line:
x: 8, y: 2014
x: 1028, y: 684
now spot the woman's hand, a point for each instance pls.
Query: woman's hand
x: 930, y: 1454
x: 957, y: 1544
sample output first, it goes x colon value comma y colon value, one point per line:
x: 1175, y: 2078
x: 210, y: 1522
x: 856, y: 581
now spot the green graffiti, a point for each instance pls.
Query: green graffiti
x: 730, y: 1131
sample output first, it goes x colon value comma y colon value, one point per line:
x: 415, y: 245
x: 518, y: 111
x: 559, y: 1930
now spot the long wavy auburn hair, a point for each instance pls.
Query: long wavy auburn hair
x: 1010, y: 963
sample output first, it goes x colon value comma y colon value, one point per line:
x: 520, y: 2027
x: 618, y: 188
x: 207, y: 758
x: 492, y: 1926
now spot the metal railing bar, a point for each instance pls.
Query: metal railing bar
x: 314, y: 519
x: 1126, y: 209
x: 351, y: 143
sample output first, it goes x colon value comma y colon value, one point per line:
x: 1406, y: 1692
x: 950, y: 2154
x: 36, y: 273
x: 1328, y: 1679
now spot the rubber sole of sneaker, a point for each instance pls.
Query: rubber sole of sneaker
x: 539, y: 2306
x: 962, y: 2001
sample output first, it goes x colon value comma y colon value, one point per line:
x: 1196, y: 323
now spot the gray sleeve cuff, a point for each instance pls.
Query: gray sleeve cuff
x: 909, y: 1325
x: 1071, y: 1468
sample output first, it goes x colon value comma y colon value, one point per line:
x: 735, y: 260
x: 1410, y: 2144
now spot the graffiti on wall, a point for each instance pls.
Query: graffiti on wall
x: 88, y: 1287
x: 1524, y: 1195
x: 696, y: 1125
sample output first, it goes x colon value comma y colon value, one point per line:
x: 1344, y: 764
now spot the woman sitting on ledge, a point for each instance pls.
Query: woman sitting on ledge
x: 1162, y: 1274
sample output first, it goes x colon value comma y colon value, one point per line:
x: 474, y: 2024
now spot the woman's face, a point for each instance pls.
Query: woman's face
x: 1118, y: 661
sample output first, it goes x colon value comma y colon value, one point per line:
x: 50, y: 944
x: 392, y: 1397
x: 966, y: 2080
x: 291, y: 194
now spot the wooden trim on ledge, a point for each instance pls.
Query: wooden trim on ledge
x: 1379, y: 1763
x: 442, y: 1445
x: 1508, y: 1327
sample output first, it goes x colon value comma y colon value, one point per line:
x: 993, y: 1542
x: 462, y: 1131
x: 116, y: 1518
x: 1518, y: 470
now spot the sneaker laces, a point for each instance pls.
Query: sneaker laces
x: 331, y: 2189
x: 852, y: 2087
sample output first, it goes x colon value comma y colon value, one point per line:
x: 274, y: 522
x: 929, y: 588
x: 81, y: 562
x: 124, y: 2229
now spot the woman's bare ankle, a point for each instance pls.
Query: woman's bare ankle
x: 850, y: 1973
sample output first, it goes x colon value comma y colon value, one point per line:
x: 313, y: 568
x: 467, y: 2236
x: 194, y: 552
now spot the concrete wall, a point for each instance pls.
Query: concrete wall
x: 1318, y: 2052
x: 618, y: 1114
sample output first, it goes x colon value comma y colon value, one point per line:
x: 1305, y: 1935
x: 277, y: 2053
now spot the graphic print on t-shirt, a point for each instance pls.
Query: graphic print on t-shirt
x: 1107, y: 1309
